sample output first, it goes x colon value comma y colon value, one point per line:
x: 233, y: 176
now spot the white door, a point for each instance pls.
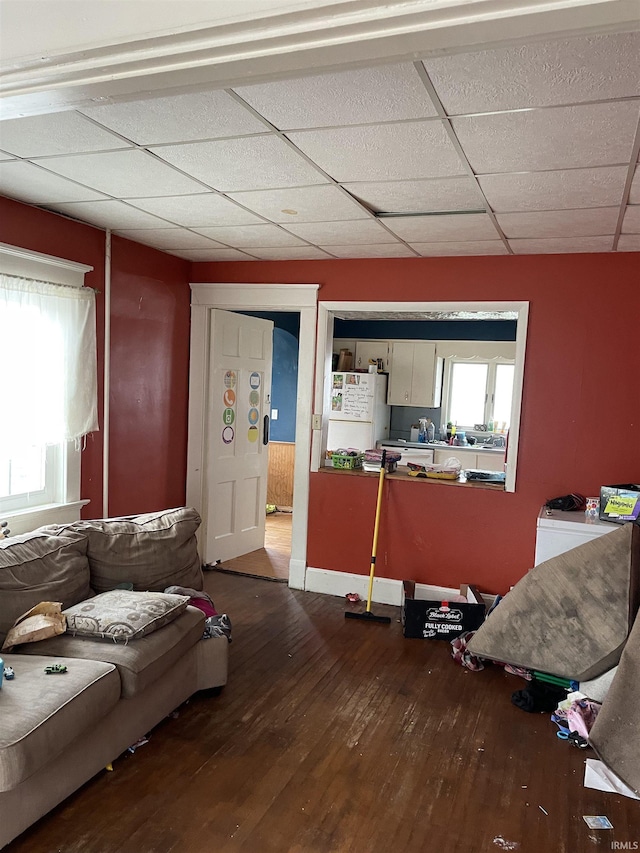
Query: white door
x: 239, y: 406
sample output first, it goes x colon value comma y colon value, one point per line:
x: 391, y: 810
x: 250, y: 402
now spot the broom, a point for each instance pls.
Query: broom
x: 368, y: 616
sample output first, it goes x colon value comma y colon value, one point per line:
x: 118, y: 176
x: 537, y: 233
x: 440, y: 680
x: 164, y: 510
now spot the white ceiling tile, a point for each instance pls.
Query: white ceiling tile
x: 634, y: 195
x: 568, y: 71
x: 178, y: 118
x: 382, y: 152
x: 433, y: 229
x: 213, y: 255
x: 629, y: 243
x: 111, y: 214
x: 365, y: 231
x: 471, y: 247
x: 588, y: 222
x: 311, y: 204
x: 387, y: 93
x: 255, y: 162
x: 566, y: 189
x: 559, y: 138
x: 30, y: 183
x: 564, y: 245
x: 168, y: 238
x: 123, y: 174
x: 415, y: 196
x: 295, y: 253
x: 246, y: 236
x: 377, y: 250
x: 55, y: 133
x: 205, y: 209
x: 631, y: 221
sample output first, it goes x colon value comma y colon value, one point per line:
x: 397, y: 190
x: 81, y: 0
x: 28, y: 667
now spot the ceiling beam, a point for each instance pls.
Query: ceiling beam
x: 326, y: 37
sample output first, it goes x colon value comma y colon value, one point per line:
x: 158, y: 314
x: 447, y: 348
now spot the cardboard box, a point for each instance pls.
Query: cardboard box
x: 437, y: 619
x: 620, y: 503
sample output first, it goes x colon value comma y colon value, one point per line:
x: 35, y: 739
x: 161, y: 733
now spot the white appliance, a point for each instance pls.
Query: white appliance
x: 359, y: 412
x: 559, y: 531
x: 417, y: 455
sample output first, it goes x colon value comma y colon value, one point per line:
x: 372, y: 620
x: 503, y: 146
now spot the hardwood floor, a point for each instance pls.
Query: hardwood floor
x: 272, y: 561
x: 338, y: 736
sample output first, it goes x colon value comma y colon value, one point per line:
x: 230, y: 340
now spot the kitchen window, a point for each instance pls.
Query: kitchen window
x: 480, y: 392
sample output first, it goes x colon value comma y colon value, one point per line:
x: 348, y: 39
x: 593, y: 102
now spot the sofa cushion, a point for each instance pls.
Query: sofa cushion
x: 121, y: 615
x: 41, y: 566
x: 150, y: 551
x: 139, y: 663
x: 41, y: 714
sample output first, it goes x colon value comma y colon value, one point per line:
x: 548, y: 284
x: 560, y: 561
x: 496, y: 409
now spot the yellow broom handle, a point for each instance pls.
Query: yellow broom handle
x: 376, y: 527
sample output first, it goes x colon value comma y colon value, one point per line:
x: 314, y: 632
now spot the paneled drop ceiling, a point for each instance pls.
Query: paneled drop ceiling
x: 521, y: 149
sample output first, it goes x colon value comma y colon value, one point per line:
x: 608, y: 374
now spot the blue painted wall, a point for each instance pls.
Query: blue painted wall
x: 428, y: 330
x: 284, y: 379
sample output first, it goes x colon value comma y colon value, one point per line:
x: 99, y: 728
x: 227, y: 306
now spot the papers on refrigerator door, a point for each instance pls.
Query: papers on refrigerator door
x: 352, y: 396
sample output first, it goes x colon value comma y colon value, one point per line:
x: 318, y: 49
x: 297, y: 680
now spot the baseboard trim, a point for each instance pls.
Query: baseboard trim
x: 297, y: 572
x: 385, y: 590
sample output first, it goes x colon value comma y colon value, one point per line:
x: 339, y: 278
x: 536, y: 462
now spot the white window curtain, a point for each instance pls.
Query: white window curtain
x: 48, y: 385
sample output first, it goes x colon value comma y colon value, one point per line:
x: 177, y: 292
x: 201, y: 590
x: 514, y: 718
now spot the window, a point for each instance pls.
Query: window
x: 480, y: 392
x: 48, y: 345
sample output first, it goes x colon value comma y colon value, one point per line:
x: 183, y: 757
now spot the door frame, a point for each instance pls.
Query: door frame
x: 298, y: 298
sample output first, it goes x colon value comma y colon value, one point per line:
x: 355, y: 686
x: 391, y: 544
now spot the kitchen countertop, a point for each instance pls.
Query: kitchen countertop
x: 454, y: 448
x: 401, y: 473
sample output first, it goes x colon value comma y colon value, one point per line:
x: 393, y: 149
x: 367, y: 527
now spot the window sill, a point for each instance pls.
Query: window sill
x: 26, y: 520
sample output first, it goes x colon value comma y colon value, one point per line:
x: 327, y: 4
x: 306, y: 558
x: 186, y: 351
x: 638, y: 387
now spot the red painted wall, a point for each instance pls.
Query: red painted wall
x: 580, y: 418
x: 150, y: 310
x: 580, y: 414
x: 149, y: 359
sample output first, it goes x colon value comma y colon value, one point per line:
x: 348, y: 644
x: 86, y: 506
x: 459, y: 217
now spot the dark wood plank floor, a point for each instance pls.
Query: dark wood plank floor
x: 337, y: 736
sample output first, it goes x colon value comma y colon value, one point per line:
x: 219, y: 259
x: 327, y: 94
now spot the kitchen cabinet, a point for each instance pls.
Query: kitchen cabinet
x: 415, y: 374
x: 440, y: 456
x: 491, y: 460
x: 344, y: 343
x: 487, y: 461
x: 366, y: 350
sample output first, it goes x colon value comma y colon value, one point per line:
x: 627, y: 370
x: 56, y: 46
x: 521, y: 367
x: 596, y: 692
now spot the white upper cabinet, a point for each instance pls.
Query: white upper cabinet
x: 415, y: 377
x: 374, y: 350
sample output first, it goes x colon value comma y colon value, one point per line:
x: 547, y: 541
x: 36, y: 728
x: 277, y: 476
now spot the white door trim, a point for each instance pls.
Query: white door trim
x: 324, y: 348
x: 255, y: 297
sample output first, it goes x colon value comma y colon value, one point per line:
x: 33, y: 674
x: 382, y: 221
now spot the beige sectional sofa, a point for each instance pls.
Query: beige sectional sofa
x: 123, y: 675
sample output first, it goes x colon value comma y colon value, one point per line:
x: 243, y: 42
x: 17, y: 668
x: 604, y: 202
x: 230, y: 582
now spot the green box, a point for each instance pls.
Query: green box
x: 347, y: 462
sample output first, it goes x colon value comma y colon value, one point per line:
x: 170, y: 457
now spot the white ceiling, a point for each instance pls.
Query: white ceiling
x: 527, y: 148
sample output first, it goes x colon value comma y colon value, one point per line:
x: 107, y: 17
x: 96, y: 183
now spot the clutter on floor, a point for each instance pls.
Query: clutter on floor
x: 216, y: 624
x: 570, y: 627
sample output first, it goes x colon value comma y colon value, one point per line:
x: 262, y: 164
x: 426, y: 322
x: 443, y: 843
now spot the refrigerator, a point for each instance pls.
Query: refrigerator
x: 359, y: 412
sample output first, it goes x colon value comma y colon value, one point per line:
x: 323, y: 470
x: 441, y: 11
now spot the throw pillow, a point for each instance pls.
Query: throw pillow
x: 121, y: 615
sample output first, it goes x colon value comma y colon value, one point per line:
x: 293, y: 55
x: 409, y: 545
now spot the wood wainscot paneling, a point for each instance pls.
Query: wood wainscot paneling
x: 280, y: 481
